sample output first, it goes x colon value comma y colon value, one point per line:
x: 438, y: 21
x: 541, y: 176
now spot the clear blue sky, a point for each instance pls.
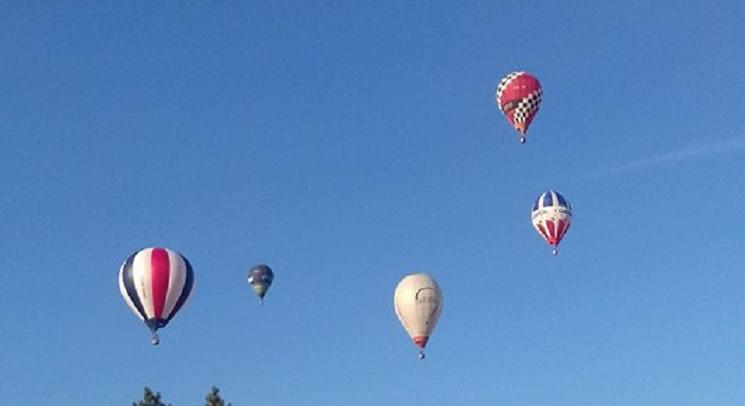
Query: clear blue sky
x: 347, y: 144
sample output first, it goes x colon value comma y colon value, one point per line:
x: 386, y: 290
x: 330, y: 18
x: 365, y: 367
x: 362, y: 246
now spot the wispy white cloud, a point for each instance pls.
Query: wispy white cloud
x: 682, y: 154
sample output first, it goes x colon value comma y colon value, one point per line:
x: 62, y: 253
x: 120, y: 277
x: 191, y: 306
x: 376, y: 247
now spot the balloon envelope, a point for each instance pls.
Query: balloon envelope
x: 519, y: 96
x: 260, y: 278
x: 551, y: 216
x: 418, y: 304
x: 155, y: 283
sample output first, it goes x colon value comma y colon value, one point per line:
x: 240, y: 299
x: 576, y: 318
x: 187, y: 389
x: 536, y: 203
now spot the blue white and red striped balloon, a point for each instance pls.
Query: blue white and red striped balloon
x: 155, y: 283
x: 552, y: 216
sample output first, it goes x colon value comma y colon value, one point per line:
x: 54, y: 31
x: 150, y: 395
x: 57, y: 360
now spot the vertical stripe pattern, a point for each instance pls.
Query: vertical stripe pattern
x: 155, y: 283
x: 176, y: 283
x: 188, y: 286
x: 159, y: 273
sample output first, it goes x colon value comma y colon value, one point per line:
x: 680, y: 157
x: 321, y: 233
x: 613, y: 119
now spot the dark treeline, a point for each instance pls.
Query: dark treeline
x: 151, y: 398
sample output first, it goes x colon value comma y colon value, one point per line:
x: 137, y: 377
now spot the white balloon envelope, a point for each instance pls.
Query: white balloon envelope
x: 418, y: 304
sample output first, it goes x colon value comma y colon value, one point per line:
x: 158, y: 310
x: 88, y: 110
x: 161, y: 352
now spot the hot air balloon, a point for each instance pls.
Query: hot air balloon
x: 552, y: 216
x: 155, y: 283
x: 260, y: 277
x: 418, y: 304
x: 519, y: 98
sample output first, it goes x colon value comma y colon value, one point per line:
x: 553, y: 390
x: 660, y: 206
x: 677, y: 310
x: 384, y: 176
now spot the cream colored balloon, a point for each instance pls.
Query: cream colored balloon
x: 418, y: 304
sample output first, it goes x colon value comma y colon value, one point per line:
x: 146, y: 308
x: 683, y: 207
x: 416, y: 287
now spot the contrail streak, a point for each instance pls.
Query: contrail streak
x: 682, y: 154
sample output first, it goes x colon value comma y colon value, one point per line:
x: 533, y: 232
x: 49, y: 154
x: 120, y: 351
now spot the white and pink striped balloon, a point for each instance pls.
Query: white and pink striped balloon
x: 155, y: 283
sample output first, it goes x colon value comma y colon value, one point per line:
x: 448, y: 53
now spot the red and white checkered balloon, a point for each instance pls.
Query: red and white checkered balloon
x: 519, y: 97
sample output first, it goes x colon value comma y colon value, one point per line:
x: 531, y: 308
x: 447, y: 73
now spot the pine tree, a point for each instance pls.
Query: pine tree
x: 150, y: 399
x: 214, y: 399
